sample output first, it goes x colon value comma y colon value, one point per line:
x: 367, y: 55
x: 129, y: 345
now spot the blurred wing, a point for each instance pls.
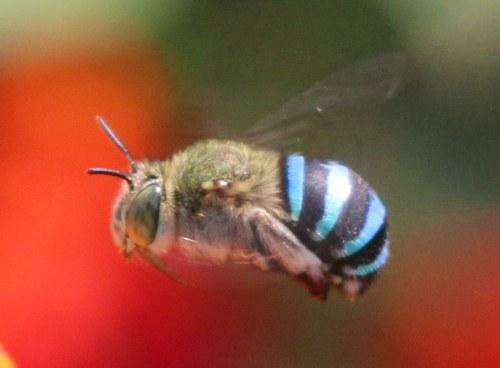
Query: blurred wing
x: 289, y: 253
x: 366, y: 83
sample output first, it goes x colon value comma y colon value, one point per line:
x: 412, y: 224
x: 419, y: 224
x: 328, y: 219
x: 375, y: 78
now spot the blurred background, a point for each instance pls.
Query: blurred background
x: 162, y: 72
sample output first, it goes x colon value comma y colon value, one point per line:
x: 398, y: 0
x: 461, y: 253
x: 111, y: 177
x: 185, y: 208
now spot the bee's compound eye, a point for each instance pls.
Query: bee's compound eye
x: 143, y: 215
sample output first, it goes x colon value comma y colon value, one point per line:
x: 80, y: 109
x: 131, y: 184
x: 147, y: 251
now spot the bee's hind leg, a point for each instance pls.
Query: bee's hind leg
x: 279, y: 243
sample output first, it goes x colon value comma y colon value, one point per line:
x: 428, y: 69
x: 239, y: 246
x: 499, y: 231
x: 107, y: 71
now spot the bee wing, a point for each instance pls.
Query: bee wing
x: 286, y: 251
x: 366, y: 83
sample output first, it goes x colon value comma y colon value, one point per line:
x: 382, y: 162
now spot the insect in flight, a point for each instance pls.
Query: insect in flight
x: 239, y: 201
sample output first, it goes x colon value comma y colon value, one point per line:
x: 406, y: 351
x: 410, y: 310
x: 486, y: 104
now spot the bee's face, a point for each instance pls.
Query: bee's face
x: 140, y: 215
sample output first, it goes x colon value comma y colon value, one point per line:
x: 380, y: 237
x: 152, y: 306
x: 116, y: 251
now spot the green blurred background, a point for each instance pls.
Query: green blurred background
x: 432, y: 153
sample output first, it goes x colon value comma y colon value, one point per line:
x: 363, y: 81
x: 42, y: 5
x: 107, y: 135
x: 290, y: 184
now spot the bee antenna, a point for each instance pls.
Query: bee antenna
x: 110, y: 172
x: 112, y: 135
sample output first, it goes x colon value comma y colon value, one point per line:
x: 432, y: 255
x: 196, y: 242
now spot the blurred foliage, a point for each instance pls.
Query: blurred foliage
x: 263, y: 43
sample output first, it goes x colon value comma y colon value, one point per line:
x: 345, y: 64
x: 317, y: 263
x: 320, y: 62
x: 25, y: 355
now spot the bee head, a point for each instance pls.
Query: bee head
x: 142, y: 218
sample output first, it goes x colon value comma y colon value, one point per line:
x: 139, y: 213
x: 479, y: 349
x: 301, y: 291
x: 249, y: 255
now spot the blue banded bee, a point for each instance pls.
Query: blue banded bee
x: 236, y: 200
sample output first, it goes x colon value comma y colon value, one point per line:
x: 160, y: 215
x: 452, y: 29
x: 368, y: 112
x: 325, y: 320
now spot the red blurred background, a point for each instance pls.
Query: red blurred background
x: 67, y: 297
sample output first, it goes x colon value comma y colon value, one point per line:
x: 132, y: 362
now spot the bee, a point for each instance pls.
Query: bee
x: 236, y: 200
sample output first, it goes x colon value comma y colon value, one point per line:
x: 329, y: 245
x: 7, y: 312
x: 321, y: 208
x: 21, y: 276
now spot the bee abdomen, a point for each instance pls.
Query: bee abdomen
x: 336, y: 214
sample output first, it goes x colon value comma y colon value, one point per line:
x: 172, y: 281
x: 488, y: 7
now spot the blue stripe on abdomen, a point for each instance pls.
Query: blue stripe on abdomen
x: 295, y: 184
x: 367, y: 269
x: 375, y: 218
x: 339, y: 189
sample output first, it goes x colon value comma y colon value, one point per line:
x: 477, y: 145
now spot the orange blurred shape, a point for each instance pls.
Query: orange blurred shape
x: 5, y: 361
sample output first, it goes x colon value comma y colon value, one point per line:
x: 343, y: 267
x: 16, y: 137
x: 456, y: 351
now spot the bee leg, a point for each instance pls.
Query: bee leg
x: 317, y: 289
x: 279, y: 243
